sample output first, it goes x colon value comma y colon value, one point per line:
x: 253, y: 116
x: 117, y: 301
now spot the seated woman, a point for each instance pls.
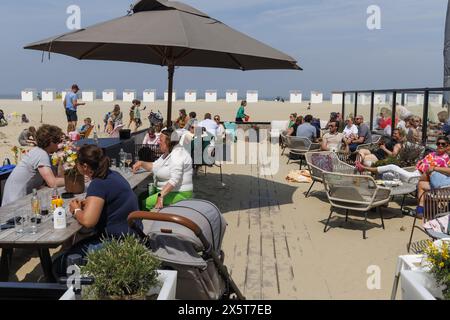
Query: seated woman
x: 172, y: 173
x: 86, y: 128
x: 115, y: 119
x: 350, y: 130
x: 292, y: 131
x: 182, y: 119
x: 389, y: 149
x: 35, y: 169
x: 414, y: 135
x: 109, y: 201
x: 151, y: 138
x: 438, y: 159
x: 292, y: 118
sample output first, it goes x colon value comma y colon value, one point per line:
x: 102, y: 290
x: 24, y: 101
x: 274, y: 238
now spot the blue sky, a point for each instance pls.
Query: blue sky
x: 329, y: 38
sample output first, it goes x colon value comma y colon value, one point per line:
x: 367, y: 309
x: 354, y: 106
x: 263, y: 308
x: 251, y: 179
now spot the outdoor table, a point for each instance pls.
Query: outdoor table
x: 407, y: 262
x: 403, y: 190
x: 46, y: 237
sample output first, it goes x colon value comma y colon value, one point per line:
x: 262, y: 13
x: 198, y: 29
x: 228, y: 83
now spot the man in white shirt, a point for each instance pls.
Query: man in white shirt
x: 209, y: 124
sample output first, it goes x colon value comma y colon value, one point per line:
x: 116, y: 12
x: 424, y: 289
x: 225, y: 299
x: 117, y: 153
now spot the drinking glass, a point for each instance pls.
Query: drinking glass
x: 45, y: 199
x: 113, y: 163
x: 20, y: 221
x: 128, y: 161
x: 32, y: 221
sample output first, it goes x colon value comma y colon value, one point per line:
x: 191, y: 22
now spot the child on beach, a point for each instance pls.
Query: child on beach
x: 3, y: 121
x: 86, y: 127
x: 73, y: 134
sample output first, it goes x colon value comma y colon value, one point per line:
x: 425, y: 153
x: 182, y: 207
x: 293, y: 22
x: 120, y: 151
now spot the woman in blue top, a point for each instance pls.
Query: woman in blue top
x: 240, y: 116
x: 109, y: 201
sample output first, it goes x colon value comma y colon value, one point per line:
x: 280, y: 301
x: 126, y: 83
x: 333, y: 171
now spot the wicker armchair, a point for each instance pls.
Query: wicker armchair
x: 300, y: 146
x: 283, y: 141
x: 437, y: 204
x: 325, y: 161
x: 356, y: 193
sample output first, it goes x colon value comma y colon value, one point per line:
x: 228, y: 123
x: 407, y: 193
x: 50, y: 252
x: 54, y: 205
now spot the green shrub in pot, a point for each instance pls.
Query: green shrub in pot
x: 122, y: 269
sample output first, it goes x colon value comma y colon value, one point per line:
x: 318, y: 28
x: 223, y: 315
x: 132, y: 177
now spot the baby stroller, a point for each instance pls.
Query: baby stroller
x: 155, y: 118
x: 187, y: 237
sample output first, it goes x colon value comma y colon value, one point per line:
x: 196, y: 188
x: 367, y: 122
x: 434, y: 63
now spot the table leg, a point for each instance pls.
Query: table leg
x: 5, y: 263
x: 46, y: 263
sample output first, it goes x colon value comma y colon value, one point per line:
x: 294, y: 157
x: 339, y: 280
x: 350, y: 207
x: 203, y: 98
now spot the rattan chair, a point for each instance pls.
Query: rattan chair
x: 300, y: 146
x: 283, y: 141
x: 437, y: 204
x: 354, y: 193
x: 325, y: 161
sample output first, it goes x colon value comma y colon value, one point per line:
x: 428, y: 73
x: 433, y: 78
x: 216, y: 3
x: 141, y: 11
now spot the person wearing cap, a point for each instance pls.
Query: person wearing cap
x: 71, y: 104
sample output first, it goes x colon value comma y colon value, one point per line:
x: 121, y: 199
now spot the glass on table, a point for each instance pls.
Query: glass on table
x: 45, y: 199
x: 32, y: 222
x: 113, y: 163
x: 20, y: 220
x: 128, y: 161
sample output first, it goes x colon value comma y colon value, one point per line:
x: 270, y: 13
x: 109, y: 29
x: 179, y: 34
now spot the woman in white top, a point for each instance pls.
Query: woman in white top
x: 220, y: 132
x: 350, y: 131
x: 151, y: 138
x: 172, y: 173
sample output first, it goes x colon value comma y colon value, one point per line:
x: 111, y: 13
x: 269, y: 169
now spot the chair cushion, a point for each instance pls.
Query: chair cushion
x: 323, y: 161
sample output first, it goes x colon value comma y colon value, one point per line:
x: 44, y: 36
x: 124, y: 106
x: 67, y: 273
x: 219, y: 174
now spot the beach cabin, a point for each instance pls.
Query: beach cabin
x: 295, y: 96
x: 149, y: 95
x: 252, y: 96
x: 88, y: 95
x: 190, y: 96
x: 128, y: 95
x: 231, y: 96
x: 166, y: 96
x: 380, y: 98
x: 364, y: 98
x: 29, y: 95
x: 316, y: 97
x: 336, y: 98
x: 48, y: 95
x: 211, y: 96
x: 109, y: 95
x: 436, y: 98
x: 414, y: 99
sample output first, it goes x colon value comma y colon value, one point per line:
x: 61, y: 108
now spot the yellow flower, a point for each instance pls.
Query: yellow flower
x: 441, y: 265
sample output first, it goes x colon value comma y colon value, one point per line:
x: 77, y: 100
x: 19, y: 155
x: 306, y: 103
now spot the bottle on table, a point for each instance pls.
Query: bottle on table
x: 59, y: 215
x: 55, y: 197
x: 122, y: 158
x: 95, y: 135
x: 35, y: 204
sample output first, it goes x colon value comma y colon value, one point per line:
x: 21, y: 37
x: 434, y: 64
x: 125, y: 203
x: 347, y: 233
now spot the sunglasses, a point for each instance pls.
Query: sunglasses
x: 442, y: 144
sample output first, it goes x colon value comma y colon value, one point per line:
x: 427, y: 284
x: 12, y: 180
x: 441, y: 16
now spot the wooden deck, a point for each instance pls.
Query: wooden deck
x: 275, y: 247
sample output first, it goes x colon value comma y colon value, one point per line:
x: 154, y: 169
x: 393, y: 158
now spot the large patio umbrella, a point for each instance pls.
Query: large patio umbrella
x: 171, y: 34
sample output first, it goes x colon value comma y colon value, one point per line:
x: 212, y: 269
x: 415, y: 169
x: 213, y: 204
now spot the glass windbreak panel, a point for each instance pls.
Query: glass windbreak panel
x: 349, y: 107
x: 438, y: 117
x: 364, y: 100
x: 382, y: 113
x: 410, y: 115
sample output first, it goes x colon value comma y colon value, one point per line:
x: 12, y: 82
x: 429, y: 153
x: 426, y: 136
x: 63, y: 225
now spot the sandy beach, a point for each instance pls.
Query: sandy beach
x: 53, y: 113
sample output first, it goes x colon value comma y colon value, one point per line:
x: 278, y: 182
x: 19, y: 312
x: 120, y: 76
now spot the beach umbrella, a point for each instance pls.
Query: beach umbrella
x: 170, y: 34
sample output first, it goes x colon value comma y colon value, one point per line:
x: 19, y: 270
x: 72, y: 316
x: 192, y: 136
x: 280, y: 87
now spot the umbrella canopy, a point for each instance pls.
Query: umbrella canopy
x: 168, y: 33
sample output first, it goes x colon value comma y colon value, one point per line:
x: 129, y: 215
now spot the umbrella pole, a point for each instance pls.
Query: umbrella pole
x: 171, y: 70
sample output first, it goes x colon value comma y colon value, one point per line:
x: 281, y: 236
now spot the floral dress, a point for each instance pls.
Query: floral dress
x: 433, y: 160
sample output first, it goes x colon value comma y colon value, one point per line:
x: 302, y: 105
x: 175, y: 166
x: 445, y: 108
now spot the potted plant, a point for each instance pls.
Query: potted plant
x: 432, y: 281
x: 125, y: 270
x: 67, y: 158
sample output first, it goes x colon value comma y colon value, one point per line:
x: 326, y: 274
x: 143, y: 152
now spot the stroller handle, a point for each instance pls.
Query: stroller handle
x: 168, y: 217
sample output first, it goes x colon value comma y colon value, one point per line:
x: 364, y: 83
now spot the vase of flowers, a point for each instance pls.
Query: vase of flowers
x: 67, y: 158
x: 438, y: 260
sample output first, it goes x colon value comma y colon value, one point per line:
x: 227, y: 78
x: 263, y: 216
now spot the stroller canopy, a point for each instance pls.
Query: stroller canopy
x: 182, y: 245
